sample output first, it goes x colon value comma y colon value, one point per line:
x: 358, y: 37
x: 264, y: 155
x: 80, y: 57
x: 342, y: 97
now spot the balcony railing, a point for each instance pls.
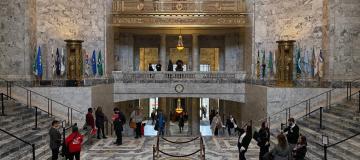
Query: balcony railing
x: 137, y: 76
x: 174, y: 6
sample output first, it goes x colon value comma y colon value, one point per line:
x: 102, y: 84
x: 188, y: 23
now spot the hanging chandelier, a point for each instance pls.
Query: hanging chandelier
x: 180, y: 44
x: 178, y: 106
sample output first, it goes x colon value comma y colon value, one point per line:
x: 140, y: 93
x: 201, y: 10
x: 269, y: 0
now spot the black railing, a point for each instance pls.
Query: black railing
x: 327, y: 146
x: 157, y: 151
x: 50, y: 102
x: 27, y: 143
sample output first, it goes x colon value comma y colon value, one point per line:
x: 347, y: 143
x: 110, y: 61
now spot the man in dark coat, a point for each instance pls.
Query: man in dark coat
x: 263, y: 140
x: 55, y: 139
x: 292, y: 133
x: 158, y: 67
x: 118, y: 121
x: 244, y: 141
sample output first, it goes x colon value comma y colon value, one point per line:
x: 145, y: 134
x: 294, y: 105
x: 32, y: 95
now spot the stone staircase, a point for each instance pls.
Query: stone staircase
x: 339, y: 122
x: 20, y: 121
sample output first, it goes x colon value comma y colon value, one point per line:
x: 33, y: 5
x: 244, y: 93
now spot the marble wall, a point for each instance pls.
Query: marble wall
x: 330, y: 25
x: 17, y: 38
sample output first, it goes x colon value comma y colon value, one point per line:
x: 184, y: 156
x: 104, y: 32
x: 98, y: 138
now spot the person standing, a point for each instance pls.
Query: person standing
x: 292, y: 133
x: 170, y: 66
x: 118, y: 121
x: 137, y: 117
x: 73, y: 143
x: 151, y: 68
x: 158, y: 67
x: 90, y: 124
x: 181, y: 123
x: 100, y: 120
x: 55, y: 139
x: 244, y: 141
x: 230, y: 124
x: 216, y: 124
x: 161, y: 122
x: 300, y: 150
x: 152, y: 117
x: 263, y: 140
x: 281, y: 151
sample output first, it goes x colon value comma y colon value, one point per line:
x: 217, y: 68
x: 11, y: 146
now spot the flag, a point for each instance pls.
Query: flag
x: 100, y: 68
x: 62, y: 66
x: 93, y: 63
x: 258, y: 65
x: 263, y: 65
x: 320, y: 64
x: 39, y: 67
x: 298, y: 62
x: 34, y: 64
x: 271, y: 65
x: 307, y: 67
x: 57, y: 62
x: 87, y: 64
x: 313, y: 63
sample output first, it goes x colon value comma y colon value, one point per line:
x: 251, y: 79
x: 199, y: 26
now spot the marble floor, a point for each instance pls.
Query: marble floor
x: 216, y: 148
x: 219, y: 148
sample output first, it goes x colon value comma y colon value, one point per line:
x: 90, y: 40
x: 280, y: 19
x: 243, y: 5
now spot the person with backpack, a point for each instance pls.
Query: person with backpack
x: 55, y: 139
x: 118, y: 121
x: 73, y: 144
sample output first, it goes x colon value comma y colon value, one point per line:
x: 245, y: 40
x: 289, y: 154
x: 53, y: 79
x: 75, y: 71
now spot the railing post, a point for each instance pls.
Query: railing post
x: 329, y: 99
x: 309, y: 107
x: 359, y: 102
x: 347, y: 90
x: 71, y: 115
x: 350, y: 92
x: 286, y: 115
x: 63, y: 139
x: 2, y: 105
x: 29, y: 99
x: 325, y: 152
x: 48, y: 107
x: 9, y: 90
x: 68, y: 114
x: 289, y: 114
x: 51, y: 107
x: 33, y: 151
x: 321, y: 111
x: 36, y: 118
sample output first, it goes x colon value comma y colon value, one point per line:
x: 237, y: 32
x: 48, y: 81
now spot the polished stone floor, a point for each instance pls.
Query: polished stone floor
x: 217, y: 148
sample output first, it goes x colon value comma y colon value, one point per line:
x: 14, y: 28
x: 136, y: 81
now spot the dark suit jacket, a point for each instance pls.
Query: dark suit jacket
x: 263, y: 137
x: 292, y: 134
x: 55, y: 138
x: 245, y: 141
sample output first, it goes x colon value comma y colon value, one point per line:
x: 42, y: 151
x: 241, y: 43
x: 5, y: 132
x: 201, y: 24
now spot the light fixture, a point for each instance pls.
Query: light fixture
x: 180, y: 44
x: 178, y: 106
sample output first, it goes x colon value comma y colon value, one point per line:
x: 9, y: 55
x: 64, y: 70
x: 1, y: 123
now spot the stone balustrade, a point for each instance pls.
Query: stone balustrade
x: 188, y: 76
x: 167, y: 6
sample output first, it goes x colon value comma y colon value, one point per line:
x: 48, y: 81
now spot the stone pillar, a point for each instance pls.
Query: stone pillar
x: 163, y: 52
x: 195, y: 116
x: 195, y: 53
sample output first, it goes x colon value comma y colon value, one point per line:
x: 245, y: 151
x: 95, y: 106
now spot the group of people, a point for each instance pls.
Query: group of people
x: 179, y: 66
x: 291, y: 145
x: 217, y: 124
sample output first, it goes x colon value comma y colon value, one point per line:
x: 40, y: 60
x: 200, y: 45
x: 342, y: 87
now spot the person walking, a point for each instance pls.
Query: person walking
x: 55, y: 139
x: 161, y: 122
x: 137, y: 117
x: 231, y: 124
x: 181, y: 123
x: 244, y: 141
x: 100, y: 120
x: 152, y: 117
x: 263, y: 140
x: 292, y: 133
x: 299, y: 152
x: 89, y: 124
x: 216, y: 124
x: 118, y: 121
x: 73, y: 143
x: 281, y: 151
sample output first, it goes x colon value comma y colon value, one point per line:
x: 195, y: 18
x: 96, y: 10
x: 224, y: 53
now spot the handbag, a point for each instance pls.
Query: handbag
x: 93, y: 131
x: 132, y: 124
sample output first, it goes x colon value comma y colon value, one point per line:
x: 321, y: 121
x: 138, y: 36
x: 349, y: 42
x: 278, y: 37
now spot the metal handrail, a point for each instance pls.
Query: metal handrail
x: 301, y: 102
x: 28, y: 143
x: 28, y: 90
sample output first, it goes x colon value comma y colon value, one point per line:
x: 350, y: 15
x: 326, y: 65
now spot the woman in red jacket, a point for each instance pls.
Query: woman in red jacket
x: 73, y: 143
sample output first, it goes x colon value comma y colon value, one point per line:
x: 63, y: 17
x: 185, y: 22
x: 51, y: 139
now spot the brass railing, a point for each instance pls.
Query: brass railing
x: 170, y: 6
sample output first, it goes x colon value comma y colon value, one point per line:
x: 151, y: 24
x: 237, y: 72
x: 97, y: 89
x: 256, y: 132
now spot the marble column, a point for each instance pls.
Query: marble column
x: 195, y: 116
x: 195, y: 53
x: 163, y: 52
